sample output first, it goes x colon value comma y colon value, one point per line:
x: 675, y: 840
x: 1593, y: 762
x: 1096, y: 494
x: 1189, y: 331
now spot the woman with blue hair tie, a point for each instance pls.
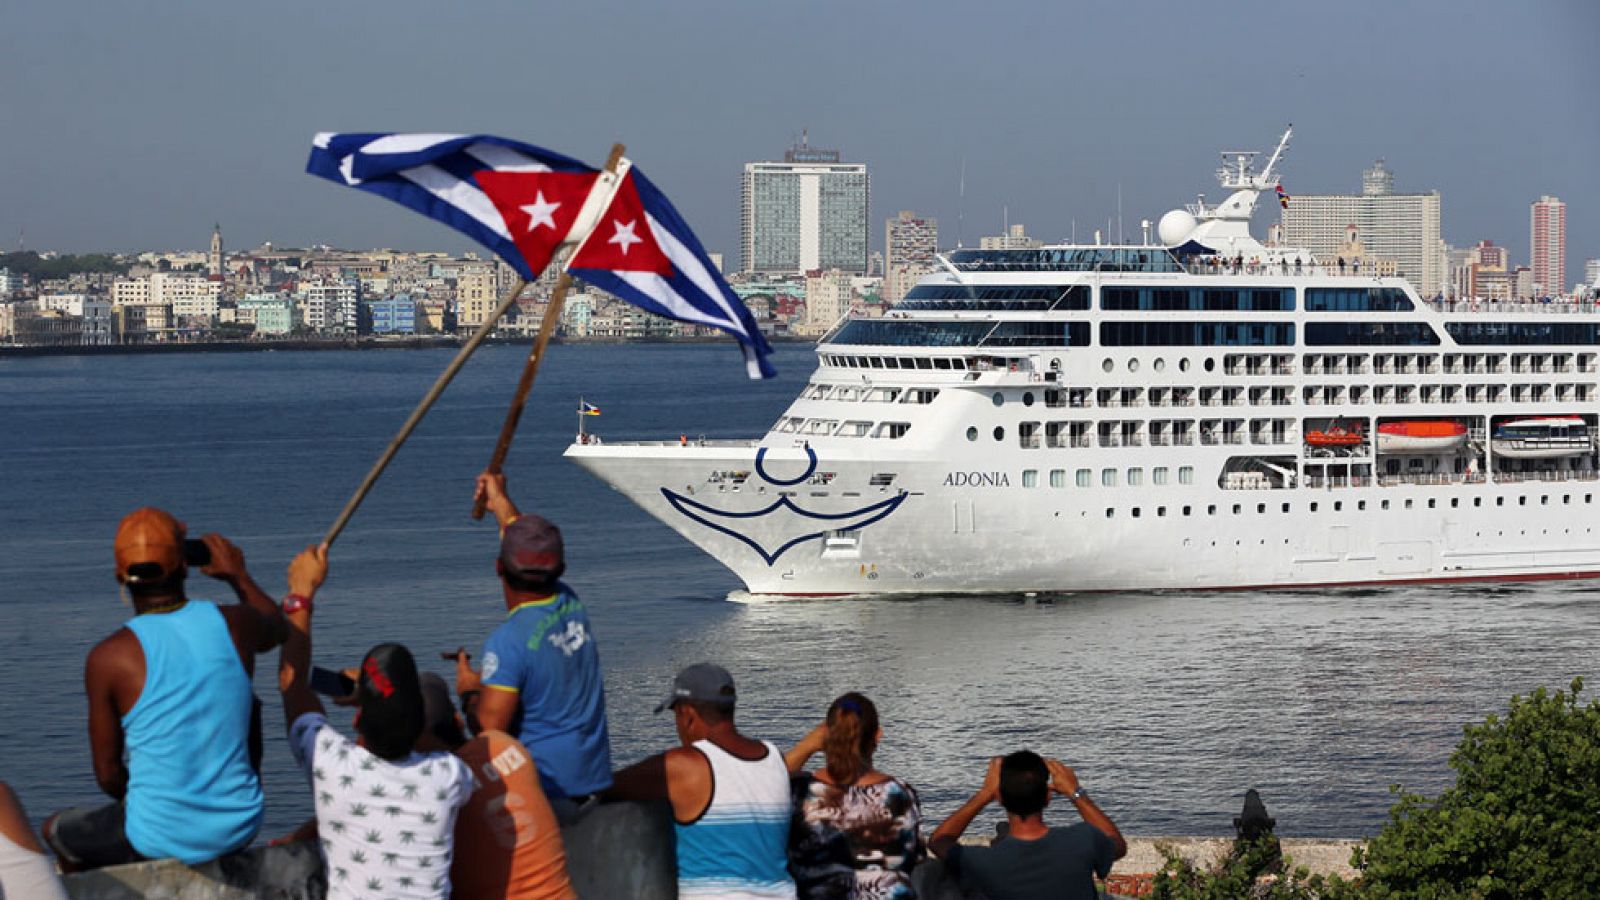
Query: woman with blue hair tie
x: 857, y: 832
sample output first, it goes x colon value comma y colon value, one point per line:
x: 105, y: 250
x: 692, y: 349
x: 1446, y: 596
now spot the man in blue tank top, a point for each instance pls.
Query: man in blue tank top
x: 541, y: 669
x: 174, y: 729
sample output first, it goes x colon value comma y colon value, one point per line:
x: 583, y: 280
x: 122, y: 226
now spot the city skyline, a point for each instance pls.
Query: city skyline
x: 169, y: 120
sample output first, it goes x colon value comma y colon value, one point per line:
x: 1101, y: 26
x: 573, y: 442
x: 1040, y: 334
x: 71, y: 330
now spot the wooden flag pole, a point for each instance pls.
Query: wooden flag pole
x: 439, y: 385
x: 530, y: 370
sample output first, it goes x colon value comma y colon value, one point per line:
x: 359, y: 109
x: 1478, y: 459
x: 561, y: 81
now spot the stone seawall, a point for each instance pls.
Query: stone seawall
x: 617, y: 852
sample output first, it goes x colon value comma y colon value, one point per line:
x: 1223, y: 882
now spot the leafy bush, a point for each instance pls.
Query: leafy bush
x: 1254, y: 870
x: 1523, y: 819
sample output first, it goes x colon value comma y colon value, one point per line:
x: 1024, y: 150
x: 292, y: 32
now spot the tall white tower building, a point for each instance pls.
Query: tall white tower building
x: 1401, y: 228
x: 910, y: 243
x: 806, y: 213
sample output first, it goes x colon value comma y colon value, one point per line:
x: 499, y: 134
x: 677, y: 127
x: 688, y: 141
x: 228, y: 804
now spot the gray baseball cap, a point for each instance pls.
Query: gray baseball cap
x: 702, y: 683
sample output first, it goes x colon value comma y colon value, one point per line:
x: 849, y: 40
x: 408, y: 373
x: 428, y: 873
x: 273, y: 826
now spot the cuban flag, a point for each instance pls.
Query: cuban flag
x: 524, y: 202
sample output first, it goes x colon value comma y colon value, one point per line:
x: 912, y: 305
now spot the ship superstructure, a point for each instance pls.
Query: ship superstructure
x: 1203, y: 411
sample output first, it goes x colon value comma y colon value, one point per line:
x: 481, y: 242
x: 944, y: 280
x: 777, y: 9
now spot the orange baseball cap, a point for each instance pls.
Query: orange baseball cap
x: 149, y: 537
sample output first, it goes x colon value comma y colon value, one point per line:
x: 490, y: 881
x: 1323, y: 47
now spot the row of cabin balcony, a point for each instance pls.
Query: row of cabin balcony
x: 1156, y: 433
x: 1318, y: 395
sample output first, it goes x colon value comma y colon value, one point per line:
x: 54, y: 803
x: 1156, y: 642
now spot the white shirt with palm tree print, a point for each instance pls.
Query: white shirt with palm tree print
x: 386, y: 826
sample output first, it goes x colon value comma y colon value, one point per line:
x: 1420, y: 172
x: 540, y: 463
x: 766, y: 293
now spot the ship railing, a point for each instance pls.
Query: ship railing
x: 1337, y: 481
x: 1567, y: 475
x: 1435, y: 478
x: 1555, y: 306
x: 1031, y: 442
x: 701, y: 441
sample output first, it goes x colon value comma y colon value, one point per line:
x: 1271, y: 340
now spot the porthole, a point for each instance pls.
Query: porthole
x: 1160, y: 365
x: 1183, y: 364
x: 999, y: 432
x: 972, y: 433
x: 1133, y: 365
x: 998, y: 398
x: 1027, y: 398
x: 1107, y: 365
x: 1209, y: 364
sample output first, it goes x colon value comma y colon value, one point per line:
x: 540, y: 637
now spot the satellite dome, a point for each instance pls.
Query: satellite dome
x: 1175, y: 227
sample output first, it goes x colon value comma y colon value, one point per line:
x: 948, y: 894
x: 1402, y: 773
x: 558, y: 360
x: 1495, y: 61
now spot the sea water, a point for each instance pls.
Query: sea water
x: 1169, y: 705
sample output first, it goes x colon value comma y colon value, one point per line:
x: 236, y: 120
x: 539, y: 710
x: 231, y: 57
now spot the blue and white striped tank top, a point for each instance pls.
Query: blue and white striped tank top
x: 736, y: 850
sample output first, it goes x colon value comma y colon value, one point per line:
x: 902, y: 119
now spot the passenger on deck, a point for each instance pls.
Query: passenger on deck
x: 1034, y: 861
x: 508, y: 843
x: 541, y: 669
x: 174, y: 729
x: 386, y: 814
x: 729, y: 794
x: 857, y: 832
x: 26, y: 873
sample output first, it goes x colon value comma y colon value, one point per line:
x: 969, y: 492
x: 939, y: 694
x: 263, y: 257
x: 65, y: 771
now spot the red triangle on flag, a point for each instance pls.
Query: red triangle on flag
x: 623, y: 241
x: 537, y: 207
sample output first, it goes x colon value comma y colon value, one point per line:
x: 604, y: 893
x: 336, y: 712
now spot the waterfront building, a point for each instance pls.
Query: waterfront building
x: 434, y: 316
x: 910, y: 243
x: 393, y: 315
x: 1591, y: 273
x: 808, y: 212
x: 332, y: 306
x: 272, y: 314
x: 93, y: 312
x: 828, y: 296
x: 1549, y: 247
x: 130, y: 324
x: 1015, y: 238
x: 9, y: 283
x: 1403, y: 228
x: 476, y: 295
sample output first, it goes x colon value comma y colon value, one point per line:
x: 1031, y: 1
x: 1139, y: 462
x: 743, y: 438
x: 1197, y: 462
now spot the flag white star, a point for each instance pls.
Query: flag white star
x: 625, y: 237
x: 541, y: 213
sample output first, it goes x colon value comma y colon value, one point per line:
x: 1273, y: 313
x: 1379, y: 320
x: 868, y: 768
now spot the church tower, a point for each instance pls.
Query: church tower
x: 214, y: 271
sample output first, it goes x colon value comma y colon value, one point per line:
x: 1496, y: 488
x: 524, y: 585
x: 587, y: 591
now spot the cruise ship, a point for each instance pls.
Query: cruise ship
x: 1196, y: 411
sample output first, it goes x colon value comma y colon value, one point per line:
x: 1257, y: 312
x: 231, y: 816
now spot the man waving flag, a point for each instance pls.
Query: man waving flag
x: 524, y: 202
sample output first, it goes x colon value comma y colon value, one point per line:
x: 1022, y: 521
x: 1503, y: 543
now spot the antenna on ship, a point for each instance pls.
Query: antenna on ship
x: 961, y: 203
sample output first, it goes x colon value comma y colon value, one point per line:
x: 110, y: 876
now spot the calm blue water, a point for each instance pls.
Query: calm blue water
x: 1169, y: 705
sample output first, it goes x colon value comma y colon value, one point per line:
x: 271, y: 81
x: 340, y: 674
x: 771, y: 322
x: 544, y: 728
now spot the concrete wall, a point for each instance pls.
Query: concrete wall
x: 622, y: 851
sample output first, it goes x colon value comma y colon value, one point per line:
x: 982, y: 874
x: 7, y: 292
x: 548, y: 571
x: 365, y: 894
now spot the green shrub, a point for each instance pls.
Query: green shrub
x: 1523, y: 819
x: 1240, y: 876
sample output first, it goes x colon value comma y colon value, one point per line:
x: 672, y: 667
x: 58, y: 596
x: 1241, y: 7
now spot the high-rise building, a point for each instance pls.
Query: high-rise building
x: 828, y: 296
x: 1401, y: 228
x: 1549, y: 247
x: 214, y: 258
x: 1591, y: 273
x: 910, y: 243
x: 808, y: 212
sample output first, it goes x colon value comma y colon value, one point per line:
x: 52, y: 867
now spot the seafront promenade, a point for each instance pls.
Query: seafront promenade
x: 617, y: 851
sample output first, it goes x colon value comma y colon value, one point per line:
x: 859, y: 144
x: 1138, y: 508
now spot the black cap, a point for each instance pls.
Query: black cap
x: 702, y: 683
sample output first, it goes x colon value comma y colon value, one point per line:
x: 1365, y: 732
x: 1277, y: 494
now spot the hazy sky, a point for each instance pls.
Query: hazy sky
x: 134, y: 125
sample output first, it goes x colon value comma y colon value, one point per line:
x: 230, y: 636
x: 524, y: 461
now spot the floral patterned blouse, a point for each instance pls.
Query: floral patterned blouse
x: 851, y: 842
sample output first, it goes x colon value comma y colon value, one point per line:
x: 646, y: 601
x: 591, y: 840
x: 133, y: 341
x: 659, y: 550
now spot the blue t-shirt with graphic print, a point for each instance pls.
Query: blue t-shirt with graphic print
x: 545, y: 651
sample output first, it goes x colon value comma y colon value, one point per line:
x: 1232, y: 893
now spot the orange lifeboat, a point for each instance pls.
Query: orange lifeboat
x: 1336, y: 435
x: 1421, y: 437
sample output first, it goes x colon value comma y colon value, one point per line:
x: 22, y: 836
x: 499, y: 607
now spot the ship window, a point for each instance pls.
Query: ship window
x: 893, y: 430
x: 1038, y: 334
x: 1027, y: 398
x: 1322, y: 334
x: 1383, y: 505
x: 999, y: 432
x: 1107, y: 365
x: 1261, y: 508
x: 1432, y: 504
x: 1108, y: 477
x: 1338, y: 506
x: 1133, y: 365
x: 1084, y: 476
x: 1313, y: 506
x: 1030, y: 478
x: 1210, y: 364
x: 1135, y: 477
x: 908, y: 333
x: 1357, y: 300
x: 1058, y: 478
x: 1186, y: 474
x: 1211, y: 509
x: 1286, y: 507
x: 1136, y: 512
x: 940, y: 362
x: 1169, y: 299
x: 1183, y: 364
x: 1161, y: 511
x: 1237, y: 508
x: 1361, y: 504
x: 1522, y: 501
x: 855, y: 429
x: 998, y: 398
x: 1022, y: 298
x: 1197, y: 334
x: 875, y: 361
x: 1158, y: 475
x: 1110, y: 512
x: 890, y: 362
x: 1544, y: 500
x: 972, y: 433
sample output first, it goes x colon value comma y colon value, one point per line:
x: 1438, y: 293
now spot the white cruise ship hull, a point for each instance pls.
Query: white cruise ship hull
x: 984, y: 536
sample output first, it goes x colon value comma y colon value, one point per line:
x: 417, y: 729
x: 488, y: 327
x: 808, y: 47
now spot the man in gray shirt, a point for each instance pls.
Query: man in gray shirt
x: 1033, y: 861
